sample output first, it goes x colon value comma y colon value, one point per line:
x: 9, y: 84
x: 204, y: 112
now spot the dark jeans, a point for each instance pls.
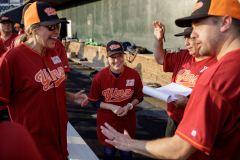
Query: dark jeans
x: 171, y: 127
x: 109, y: 154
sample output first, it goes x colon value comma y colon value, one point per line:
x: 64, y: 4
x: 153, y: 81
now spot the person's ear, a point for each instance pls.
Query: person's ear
x: 226, y: 23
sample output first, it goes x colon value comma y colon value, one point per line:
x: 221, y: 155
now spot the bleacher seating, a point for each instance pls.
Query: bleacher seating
x: 77, y: 147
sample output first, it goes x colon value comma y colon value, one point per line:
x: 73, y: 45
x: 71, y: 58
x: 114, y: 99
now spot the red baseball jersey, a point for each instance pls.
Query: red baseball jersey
x: 17, y: 143
x: 211, y: 122
x: 3, y: 48
x: 120, y: 91
x: 22, y: 31
x: 60, y: 50
x: 186, y: 71
x: 62, y: 54
x: 9, y: 41
x: 33, y: 87
x: 13, y: 41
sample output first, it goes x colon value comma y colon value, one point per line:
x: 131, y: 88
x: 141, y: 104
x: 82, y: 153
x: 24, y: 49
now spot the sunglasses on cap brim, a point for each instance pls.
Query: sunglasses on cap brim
x: 53, y: 27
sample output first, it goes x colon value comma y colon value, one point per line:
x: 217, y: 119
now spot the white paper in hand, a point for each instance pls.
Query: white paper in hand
x: 167, y: 92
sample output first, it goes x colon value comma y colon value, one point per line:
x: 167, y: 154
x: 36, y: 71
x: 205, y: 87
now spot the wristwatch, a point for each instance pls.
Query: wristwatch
x: 131, y: 106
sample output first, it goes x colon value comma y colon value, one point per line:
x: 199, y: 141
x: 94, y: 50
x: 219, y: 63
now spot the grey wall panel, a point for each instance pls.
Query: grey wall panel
x: 126, y: 20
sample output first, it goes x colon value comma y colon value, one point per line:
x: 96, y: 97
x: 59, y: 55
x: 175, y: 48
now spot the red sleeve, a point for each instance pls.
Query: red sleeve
x: 3, y: 48
x: 8, y: 76
x: 138, y: 93
x: 5, y: 78
x: 62, y: 55
x: 171, y: 60
x: 95, y: 91
x: 205, y: 115
x: 17, y: 143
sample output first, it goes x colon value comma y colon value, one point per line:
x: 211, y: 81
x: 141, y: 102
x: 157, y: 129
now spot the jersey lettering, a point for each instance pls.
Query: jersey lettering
x: 185, y: 78
x: 115, y: 95
x: 48, y: 81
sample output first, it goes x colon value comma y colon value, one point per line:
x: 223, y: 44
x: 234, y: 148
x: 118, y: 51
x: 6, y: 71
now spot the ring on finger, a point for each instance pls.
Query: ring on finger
x: 112, y: 138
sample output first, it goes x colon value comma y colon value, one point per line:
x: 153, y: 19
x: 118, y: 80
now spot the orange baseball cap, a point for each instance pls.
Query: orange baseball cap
x: 205, y: 8
x: 41, y: 13
x: 16, y: 25
x: 23, y: 12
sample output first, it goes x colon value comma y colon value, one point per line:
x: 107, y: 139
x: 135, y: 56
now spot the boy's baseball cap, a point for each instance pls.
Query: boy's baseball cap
x: 187, y: 31
x: 4, y: 18
x: 205, y: 8
x: 114, y: 47
x: 41, y: 13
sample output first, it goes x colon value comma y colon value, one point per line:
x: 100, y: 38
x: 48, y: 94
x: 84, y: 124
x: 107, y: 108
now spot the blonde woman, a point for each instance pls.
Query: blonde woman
x: 33, y: 83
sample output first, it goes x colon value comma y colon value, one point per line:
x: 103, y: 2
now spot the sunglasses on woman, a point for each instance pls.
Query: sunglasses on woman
x: 53, y: 27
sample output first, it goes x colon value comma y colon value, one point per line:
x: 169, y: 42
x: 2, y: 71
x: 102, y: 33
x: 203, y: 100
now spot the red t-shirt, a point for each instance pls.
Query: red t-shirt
x: 9, y: 41
x: 17, y: 143
x: 211, y: 121
x: 62, y: 54
x: 33, y: 87
x: 120, y: 91
x: 185, y: 72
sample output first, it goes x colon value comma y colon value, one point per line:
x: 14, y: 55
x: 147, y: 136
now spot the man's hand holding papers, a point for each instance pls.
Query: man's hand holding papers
x: 168, y: 93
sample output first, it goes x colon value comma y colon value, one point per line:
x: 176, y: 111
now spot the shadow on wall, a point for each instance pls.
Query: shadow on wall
x: 139, y: 69
x: 80, y: 53
x: 74, y: 36
x: 96, y: 59
x: 66, y: 45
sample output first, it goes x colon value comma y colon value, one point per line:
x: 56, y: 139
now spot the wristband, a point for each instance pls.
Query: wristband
x: 131, y: 106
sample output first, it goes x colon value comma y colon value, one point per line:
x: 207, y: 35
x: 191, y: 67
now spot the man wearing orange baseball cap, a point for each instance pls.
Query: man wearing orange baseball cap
x: 210, y: 126
x: 17, y: 27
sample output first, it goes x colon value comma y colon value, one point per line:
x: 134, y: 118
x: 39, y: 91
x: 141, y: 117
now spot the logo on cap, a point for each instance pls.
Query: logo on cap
x: 5, y: 18
x: 197, y: 6
x: 114, y: 46
x: 50, y: 11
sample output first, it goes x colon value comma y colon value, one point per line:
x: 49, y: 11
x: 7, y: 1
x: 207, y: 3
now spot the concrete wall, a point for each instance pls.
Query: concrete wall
x: 125, y: 20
